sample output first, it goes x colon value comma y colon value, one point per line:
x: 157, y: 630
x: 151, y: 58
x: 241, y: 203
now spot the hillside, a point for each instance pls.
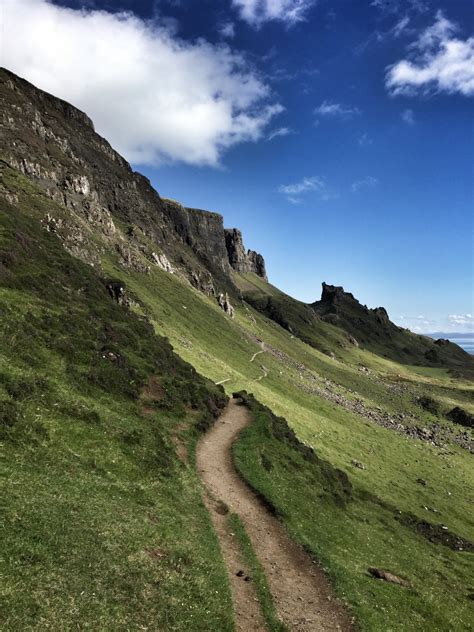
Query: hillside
x: 100, y: 414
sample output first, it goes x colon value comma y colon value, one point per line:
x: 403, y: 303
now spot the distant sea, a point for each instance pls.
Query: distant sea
x: 466, y: 341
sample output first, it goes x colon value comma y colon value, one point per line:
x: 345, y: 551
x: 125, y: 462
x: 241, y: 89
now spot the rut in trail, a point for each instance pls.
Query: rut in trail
x: 300, y: 591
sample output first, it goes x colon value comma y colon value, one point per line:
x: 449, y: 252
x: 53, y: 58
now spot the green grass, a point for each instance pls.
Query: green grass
x: 102, y: 527
x: 74, y: 421
x: 258, y: 575
x: 221, y: 348
x: 351, y: 532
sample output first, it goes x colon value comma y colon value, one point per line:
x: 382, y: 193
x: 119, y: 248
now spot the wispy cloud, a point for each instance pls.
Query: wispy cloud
x: 368, y: 182
x: 256, y: 12
x: 466, y: 320
x: 331, y: 109
x: 418, y: 324
x: 281, y: 131
x: 207, y: 99
x: 436, y: 62
x: 365, y: 140
x: 400, y: 27
x: 390, y: 7
x: 408, y: 117
x: 426, y: 324
x: 312, y: 184
x: 386, y: 6
x: 227, y: 30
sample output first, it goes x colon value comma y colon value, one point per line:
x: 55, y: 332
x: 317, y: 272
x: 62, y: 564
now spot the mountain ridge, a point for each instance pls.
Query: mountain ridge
x: 80, y: 170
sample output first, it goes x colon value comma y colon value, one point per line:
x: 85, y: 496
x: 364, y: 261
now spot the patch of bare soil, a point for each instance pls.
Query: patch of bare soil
x: 302, y: 596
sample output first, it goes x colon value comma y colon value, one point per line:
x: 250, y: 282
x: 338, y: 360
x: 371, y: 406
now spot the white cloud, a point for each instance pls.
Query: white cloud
x: 227, y: 30
x: 330, y: 109
x: 419, y: 324
x: 438, y: 61
x: 408, y: 117
x: 154, y: 96
x: 449, y: 324
x: 256, y: 12
x: 316, y: 184
x: 461, y: 319
x: 281, y: 131
x: 367, y: 182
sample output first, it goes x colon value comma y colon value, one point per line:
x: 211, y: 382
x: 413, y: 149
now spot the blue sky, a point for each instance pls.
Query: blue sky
x: 337, y: 135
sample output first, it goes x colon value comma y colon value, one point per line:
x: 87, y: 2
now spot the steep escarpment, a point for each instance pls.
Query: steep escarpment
x: 55, y: 144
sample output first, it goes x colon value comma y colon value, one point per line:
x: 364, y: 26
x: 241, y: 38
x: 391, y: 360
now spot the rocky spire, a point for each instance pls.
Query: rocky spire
x: 241, y: 260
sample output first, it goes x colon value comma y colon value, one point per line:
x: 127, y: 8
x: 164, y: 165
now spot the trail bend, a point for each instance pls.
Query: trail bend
x: 301, y: 593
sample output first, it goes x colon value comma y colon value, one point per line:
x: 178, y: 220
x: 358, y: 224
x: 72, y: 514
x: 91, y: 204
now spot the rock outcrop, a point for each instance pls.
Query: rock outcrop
x: 242, y: 260
x: 373, y: 329
x: 225, y: 304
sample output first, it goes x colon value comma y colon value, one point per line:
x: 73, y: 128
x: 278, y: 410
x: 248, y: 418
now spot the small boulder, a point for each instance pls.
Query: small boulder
x: 225, y: 304
x: 387, y: 576
x: 461, y: 417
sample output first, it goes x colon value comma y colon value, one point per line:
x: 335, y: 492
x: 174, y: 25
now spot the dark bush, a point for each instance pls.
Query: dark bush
x: 428, y: 403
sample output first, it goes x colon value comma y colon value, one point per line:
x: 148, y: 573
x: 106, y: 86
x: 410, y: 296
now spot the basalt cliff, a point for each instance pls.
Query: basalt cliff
x: 55, y: 144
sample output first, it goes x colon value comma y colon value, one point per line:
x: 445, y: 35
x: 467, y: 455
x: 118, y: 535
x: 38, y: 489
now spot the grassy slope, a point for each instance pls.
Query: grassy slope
x: 346, y: 540
x: 366, y: 534
x: 387, y: 341
x: 102, y: 526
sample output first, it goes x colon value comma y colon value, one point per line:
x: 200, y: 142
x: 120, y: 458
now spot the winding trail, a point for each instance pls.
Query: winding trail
x: 262, y: 350
x: 302, y: 596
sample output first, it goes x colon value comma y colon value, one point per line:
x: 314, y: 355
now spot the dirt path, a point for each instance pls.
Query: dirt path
x: 300, y: 590
x: 262, y: 350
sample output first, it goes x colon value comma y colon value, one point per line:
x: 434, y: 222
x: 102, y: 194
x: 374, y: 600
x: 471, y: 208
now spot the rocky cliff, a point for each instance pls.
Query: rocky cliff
x: 100, y: 206
x: 373, y: 329
x: 55, y: 144
x: 241, y: 260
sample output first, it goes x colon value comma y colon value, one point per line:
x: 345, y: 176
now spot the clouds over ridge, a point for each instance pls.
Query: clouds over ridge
x: 156, y: 97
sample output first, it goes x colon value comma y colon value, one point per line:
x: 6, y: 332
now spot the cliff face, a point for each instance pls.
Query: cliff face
x: 55, y: 144
x: 241, y: 260
x: 373, y: 329
x: 337, y: 305
x: 203, y: 231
